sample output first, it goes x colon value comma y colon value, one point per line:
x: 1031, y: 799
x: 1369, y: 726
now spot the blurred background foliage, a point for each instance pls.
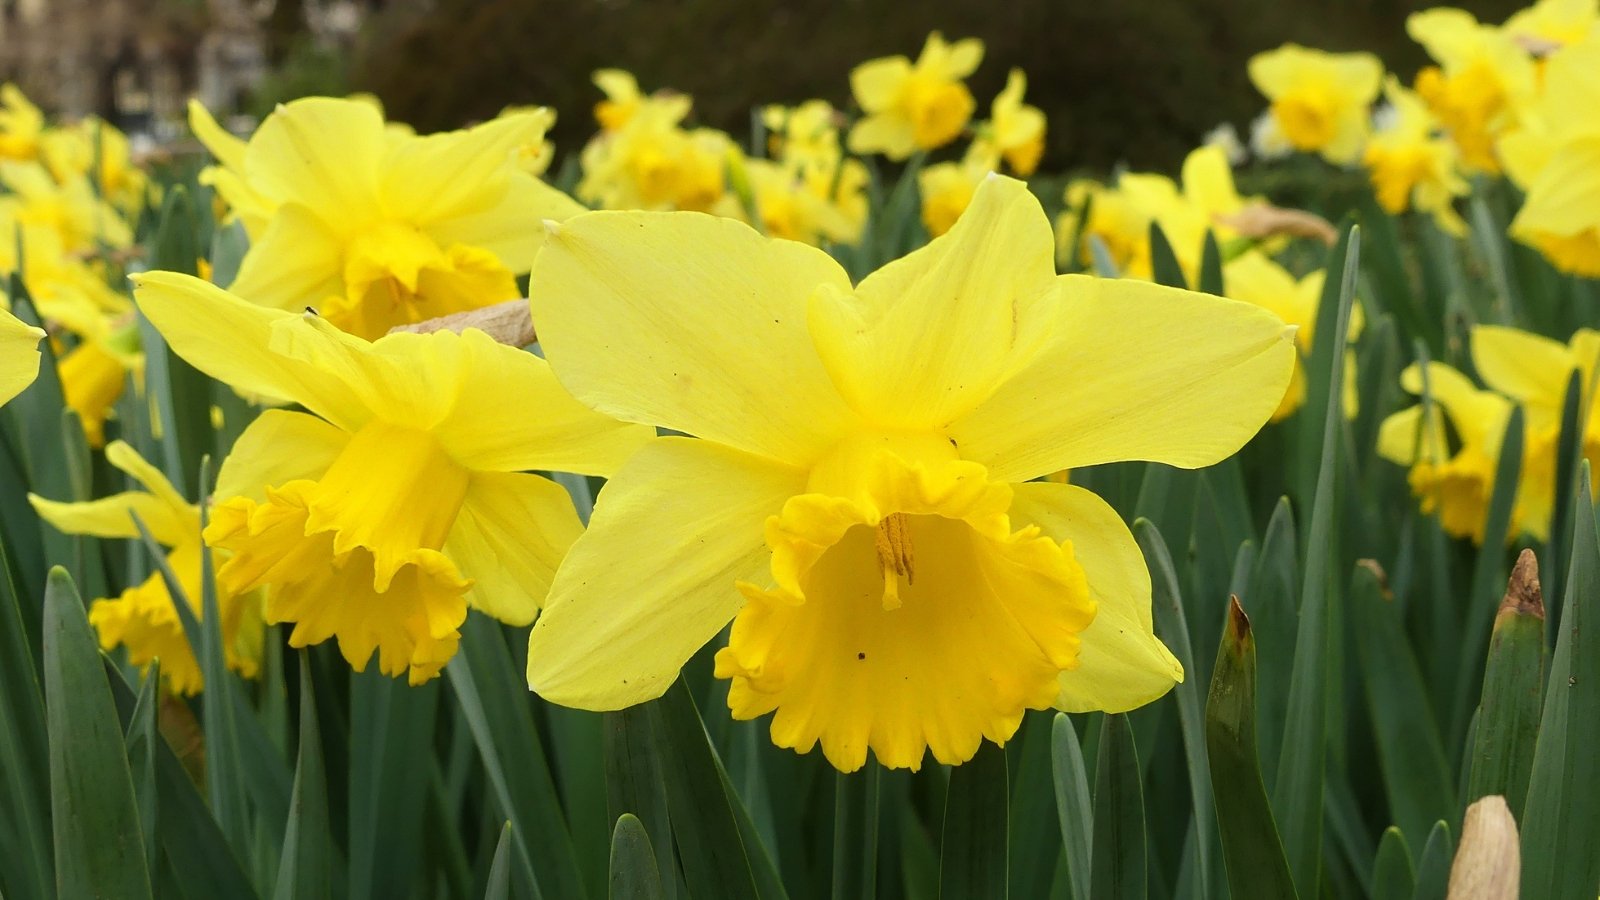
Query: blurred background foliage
x: 1134, y: 82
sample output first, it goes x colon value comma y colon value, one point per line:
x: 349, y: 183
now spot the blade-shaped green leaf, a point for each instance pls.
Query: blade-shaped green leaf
x: 99, y: 850
x: 634, y: 875
x: 1074, y: 803
x: 1433, y: 866
x: 142, y: 736
x: 1118, y: 855
x: 1393, y: 877
x: 855, y: 834
x: 1513, y: 691
x: 306, y: 868
x: 972, y: 856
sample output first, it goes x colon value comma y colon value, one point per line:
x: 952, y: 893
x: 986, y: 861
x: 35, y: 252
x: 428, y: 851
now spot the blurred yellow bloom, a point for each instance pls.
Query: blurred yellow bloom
x: 1411, y: 166
x: 651, y: 162
x: 1319, y: 100
x: 1482, y: 80
x: 804, y: 135
x: 912, y: 107
x: 947, y: 188
x: 1014, y: 132
x: 70, y: 153
x: 375, y: 227
x: 400, y: 498
x: 1254, y: 278
x: 623, y: 98
x: 1458, y: 486
x: 810, y: 204
x: 1555, y: 158
x: 21, y: 124
x: 144, y: 619
x: 93, y: 375
x: 19, y: 355
x: 1110, y: 217
x: 245, y: 203
x: 83, y: 222
x: 860, y: 462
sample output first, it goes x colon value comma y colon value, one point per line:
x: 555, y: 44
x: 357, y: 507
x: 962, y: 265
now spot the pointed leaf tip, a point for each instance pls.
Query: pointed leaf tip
x: 1238, y: 622
x: 1523, y: 594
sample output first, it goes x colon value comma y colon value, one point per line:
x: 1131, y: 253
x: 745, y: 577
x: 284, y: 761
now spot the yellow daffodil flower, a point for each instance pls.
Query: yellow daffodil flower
x: 805, y: 135
x: 1482, y: 80
x: 1555, y: 158
x: 1115, y: 219
x: 400, y: 499
x: 855, y: 496
x: 374, y: 228
x: 1411, y: 166
x: 1014, y: 132
x: 144, y: 619
x: 912, y: 107
x: 1255, y: 278
x: 19, y: 355
x: 947, y: 189
x: 1319, y: 100
x: 1458, y: 486
x: 21, y: 124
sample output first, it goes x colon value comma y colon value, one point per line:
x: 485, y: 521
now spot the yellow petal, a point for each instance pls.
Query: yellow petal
x: 124, y: 457
x: 510, y: 227
x: 545, y: 429
x: 448, y: 174
x: 277, y: 448
x: 509, y: 537
x: 893, y: 136
x: 1134, y: 371
x: 1524, y: 366
x: 927, y: 337
x: 877, y: 83
x: 296, y: 263
x: 691, y: 322
x: 226, y: 148
x: 231, y: 340
x: 19, y: 355
x: 654, y: 577
x: 1121, y: 663
x: 324, y: 153
x: 112, y: 517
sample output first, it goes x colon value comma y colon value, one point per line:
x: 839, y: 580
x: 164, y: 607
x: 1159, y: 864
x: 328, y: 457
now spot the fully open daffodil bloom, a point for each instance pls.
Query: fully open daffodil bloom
x: 402, y: 497
x: 1555, y: 158
x: 650, y: 161
x: 143, y: 619
x: 1014, y: 132
x: 1482, y: 80
x: 911, y: 107
x: 1255, y: 278
x: 1319, y: 100
x: 854, y: 498
x: 374, y: 227
x: 1411, y: 166
x: 1458, y: 485
x: 19, y: 355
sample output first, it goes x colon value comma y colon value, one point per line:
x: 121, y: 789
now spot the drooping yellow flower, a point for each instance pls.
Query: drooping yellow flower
x: 144, y: 618
x: 1411, y: 166
x: 1255, y: 278
x: 1482, y: 80
x: 1319, y: 99
x: 21, y: 124
x: 1014, y: 132
x: 400, y: 499
x: 19, y: 355
x: 912, y: 107
x: 1554, y: 156
x: 1458, y: 486
x: 855, y: 496
x: 374, y: 227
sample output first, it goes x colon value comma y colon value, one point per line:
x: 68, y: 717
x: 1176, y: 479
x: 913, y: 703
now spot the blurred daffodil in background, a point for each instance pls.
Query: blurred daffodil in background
x: 1320, y: 100
x: 914, y: 106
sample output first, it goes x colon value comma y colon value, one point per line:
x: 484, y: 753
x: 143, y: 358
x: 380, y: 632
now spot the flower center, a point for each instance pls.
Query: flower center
x: 906, y: 615
x: 1306, y: 118
x: 396, y: 274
